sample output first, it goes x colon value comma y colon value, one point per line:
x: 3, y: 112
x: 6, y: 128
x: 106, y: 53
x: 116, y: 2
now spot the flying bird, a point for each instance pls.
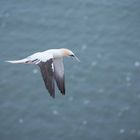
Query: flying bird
x: 51, y: 67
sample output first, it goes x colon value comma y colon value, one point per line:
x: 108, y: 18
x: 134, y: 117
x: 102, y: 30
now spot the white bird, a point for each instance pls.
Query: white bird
x: 51, y: 67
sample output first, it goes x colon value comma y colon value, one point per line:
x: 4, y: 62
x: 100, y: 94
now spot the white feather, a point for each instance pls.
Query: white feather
x: 17, y: 61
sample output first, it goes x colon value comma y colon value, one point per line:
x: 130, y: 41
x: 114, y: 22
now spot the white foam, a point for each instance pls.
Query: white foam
x: 20, y: 120
x: 35, y: 71
x: 86, y: 102
x: 71, y: 99
x: 122, y: 130
x: 94, y: 63
x: 84, y: 122
x: 84, y: 47
x: 137, y: 64
x: 55, y: 112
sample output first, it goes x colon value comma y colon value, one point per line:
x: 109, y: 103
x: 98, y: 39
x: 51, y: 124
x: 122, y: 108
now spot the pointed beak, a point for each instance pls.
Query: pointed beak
x: 74, y: 56
x: 77, y: 58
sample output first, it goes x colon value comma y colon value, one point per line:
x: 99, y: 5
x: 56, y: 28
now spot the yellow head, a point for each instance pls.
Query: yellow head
x: 67, y: 52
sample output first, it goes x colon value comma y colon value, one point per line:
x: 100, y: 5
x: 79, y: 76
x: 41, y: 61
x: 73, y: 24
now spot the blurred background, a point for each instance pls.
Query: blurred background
x: 102, y: 98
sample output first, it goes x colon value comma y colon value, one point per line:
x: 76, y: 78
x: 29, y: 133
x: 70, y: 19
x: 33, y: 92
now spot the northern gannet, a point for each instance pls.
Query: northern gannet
x: 51, y: 67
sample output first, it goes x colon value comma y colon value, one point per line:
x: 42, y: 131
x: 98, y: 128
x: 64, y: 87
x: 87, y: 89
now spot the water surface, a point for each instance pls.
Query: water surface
x: 102, y: 99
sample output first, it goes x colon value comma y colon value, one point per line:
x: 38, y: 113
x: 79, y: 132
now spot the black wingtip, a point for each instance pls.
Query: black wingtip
x: 53, y: 96
x: 48, y: 77
x: 63, y: 92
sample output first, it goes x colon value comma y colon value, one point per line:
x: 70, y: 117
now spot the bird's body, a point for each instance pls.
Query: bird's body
x: 51, y: 67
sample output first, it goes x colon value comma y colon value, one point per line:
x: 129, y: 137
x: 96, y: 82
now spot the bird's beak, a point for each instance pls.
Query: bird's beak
x: 77, y: 58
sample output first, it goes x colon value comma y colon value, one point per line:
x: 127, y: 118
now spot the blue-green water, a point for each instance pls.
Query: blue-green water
x: 102, y: 99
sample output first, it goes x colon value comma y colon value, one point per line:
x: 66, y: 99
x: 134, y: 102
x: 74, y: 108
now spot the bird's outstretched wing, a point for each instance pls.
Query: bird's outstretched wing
x: 59, y: 74
x: 47, y: 71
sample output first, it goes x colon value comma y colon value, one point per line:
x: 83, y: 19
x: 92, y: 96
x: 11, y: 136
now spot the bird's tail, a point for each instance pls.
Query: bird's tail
x: 22, y: 61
